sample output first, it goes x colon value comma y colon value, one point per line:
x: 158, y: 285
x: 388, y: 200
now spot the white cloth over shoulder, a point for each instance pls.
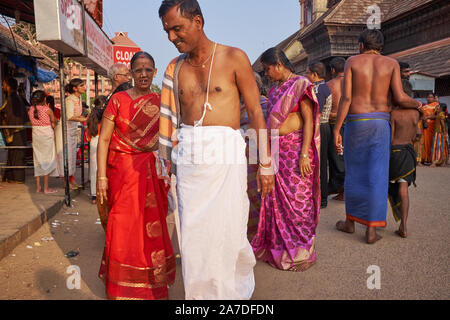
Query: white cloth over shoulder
x: 213, y: 206
x: 44, y: 154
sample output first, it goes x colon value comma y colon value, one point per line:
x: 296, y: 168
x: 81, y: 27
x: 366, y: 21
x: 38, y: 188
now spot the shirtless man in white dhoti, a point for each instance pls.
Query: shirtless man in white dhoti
x: 201, y: 104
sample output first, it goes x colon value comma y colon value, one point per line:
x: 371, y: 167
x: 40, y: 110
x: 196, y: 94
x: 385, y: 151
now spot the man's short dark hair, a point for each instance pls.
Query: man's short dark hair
x: 338, y: 64
x: 372, y: 39
x: 12, y: 83
x: 188, y: 8
x: 319, y: 68
x: 403, y: 65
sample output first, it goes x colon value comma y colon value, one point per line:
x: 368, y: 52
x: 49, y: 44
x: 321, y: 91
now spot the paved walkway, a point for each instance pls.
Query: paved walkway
x: 23, y: 211
x: 413, y: 268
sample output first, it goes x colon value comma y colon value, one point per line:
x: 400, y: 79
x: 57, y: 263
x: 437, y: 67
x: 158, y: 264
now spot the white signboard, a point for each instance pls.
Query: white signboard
x: 422, y: 82
x: 59, y: 24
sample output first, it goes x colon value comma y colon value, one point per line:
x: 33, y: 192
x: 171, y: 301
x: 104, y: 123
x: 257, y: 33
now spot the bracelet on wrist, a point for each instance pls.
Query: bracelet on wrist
x: 268, y: 165
x: 102, y: 178
x: 265, y: 166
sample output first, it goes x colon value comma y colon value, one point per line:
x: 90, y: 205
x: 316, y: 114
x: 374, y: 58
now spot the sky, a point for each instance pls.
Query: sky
x: 251, y: 25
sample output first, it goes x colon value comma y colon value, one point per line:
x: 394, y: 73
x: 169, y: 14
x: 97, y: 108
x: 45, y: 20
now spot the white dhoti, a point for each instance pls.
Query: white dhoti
x: 59, y: 149
x: 72, y: 142
x: 217, y: 259
x: 93, y: 164
x: 44, y: 154
x: 72, y: 146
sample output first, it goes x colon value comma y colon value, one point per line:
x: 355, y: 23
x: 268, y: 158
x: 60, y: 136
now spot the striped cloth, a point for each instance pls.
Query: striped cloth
x: 170, y: 119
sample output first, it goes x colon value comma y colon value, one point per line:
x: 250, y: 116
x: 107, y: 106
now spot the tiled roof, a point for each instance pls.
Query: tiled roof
x: 121, y: 39
x: 24, y: 48
x: 257, y: 66
x: 399, y: 7
x: 432, y: 58
x: 349, y: 12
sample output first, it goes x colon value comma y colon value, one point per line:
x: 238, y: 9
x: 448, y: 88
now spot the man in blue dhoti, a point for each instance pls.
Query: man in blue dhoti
x: 365, y: 105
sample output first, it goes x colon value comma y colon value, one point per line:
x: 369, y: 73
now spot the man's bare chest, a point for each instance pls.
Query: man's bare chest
x: 194, y: 84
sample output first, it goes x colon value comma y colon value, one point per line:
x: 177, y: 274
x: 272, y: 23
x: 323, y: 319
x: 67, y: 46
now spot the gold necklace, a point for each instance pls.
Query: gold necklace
x: 289, y: 78
x: 202, y: 64
x: 372, y: 52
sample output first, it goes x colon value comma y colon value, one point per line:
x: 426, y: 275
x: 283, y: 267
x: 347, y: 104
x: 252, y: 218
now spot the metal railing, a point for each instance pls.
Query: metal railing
x: 81, y: 145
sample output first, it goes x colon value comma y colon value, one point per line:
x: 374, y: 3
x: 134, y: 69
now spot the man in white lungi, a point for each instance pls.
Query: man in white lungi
x: 199, y: 133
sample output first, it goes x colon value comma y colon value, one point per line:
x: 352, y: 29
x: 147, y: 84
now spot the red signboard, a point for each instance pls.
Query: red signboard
x: 124, y: 54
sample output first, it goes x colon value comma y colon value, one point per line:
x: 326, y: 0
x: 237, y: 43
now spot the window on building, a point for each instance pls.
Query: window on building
x: 308, y: 11
x: 301, y: 15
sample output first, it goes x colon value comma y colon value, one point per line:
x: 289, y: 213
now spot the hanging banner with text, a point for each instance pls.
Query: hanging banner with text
x: 59, y: 25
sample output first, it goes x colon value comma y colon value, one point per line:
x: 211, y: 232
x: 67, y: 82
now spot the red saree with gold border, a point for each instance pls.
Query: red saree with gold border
x: 138, y: 260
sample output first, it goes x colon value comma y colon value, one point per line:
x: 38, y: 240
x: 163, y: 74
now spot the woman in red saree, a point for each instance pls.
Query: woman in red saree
x: 429, y: 117
x: 138, y: 260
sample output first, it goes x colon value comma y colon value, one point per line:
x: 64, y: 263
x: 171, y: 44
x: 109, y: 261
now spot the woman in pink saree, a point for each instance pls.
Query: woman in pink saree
x: 290, y: 213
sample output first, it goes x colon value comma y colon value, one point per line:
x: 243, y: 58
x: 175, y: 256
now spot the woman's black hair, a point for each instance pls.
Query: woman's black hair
x: 100, y: 102
x: 37, y: 99
x: 50, y: 100
x: 96, y: 115
x: 275, y: 55
x: 141, y: 54
x: 70, y: 88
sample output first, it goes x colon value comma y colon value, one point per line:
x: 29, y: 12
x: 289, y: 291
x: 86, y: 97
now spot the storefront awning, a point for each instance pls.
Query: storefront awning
x: 64, y: 26
x: 29, y: 63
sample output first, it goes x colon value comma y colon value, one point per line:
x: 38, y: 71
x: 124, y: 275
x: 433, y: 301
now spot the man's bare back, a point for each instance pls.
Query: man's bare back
x: 336, y: 85
x: 223, y: 92
x: 404, y: 126
x: 370, y: 76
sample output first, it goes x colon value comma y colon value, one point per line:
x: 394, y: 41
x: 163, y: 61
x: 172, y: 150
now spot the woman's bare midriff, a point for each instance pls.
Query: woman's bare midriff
x: 293, y: 122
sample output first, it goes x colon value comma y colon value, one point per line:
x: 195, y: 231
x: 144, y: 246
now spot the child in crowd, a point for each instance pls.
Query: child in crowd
x: 44, y: 154
x: 402, y: 164
x: 93, y: 131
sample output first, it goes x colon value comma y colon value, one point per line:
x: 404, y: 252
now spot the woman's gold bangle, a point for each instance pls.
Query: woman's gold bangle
x: 268, y: 166
x: 102, y: 178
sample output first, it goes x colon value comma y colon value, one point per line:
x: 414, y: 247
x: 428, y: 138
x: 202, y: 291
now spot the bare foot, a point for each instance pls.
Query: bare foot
x: 94, y: 201
x: 345, y: 226
x: 401, y: 233
x: 433, y: 165
x: 372, y: 236
x: 50, y: 191
x: 420, y: 164
x: 38, y: 190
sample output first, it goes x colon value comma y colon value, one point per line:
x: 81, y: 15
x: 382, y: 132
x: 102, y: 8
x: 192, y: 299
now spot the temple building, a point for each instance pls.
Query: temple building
x: 415, y: 31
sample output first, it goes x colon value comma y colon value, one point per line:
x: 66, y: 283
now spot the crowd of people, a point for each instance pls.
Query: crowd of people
x: 46, y: 134
x: 359, y: 127
x: 358, y: 136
